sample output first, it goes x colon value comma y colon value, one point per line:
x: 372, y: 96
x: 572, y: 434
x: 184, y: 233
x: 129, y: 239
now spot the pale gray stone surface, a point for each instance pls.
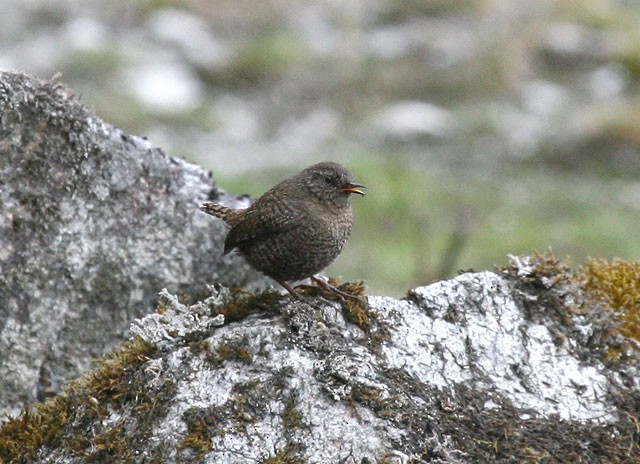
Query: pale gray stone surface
x: 93, y: 222
x: 453, y: 350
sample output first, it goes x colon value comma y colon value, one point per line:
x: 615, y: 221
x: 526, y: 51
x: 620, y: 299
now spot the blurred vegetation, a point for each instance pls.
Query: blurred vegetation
x: 535, y: 142
x: 422, y: 224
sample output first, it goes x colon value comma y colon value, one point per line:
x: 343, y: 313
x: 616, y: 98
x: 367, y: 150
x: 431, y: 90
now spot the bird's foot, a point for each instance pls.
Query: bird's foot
x: 295, y: 295
x: 344, y: 296
x: 326, y: 286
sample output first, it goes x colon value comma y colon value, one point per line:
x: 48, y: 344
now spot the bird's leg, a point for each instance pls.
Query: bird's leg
x: 289, y: 288
x: 333, y: 289
x: 323, y: 284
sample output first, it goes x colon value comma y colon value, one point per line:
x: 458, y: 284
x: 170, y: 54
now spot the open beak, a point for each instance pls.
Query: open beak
x: 353, y: 187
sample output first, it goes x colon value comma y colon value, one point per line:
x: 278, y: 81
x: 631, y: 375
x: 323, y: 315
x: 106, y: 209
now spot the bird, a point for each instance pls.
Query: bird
x: 297, y: 228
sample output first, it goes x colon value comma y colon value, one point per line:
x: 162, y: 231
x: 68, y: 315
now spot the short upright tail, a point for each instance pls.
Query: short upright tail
x: 228, y: 215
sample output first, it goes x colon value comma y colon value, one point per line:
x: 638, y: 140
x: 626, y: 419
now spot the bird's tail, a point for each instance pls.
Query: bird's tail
x: 228, y: 215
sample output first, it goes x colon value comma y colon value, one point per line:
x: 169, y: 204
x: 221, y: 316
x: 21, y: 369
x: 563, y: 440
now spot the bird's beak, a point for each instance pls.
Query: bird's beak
x: 353, y: 187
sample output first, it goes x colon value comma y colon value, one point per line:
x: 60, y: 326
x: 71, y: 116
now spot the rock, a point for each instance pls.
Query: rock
x: 475, y: 369
x: 409, y: 120
x: 93, y: 221
x: 518, y: 365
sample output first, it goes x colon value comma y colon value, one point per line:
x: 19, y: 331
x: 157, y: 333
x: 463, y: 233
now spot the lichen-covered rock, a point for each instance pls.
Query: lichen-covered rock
x: 93, y: 222
x: 462, y: 371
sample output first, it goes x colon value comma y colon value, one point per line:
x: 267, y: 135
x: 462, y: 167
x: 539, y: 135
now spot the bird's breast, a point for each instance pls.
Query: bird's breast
x: 334, y: 225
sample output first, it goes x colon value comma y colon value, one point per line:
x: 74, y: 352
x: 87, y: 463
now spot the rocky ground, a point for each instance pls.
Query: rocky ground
x: 534, y: 361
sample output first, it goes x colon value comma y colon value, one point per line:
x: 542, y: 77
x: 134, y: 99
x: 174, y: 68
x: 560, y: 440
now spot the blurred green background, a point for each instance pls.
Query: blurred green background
x: 482, y: 128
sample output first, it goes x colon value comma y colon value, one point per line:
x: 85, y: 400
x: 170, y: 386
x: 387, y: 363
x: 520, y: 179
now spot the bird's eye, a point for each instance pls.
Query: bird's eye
x: 328, y: 179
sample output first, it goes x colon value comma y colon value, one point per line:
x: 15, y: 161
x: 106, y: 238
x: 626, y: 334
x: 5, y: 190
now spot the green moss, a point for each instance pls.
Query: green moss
x: 617, y: 284
x: 290, y: 415
x: 109, y: 445
x: 232, y: 351
x: 200, y: 345
x: 62, y: 421
x: 110, y: 380
x: 22, y: 436
x: 201, y: 426
x: 244, y: 304
x: 367, y: 395
x: 290, y: 454
x: 358, y: 312
x: 245, y: 406
x: 161, y: 308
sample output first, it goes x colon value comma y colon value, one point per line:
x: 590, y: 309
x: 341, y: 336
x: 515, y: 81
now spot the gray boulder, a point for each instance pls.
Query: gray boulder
x: 93, y: 222
x: 474, y: 369
x: 508, y: 366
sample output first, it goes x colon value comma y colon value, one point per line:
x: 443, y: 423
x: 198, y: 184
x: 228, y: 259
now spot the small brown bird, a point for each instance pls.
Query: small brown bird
x: 297, y: 228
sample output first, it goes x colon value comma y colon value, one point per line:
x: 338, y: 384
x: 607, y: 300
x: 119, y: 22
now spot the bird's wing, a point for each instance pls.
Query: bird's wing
x: 263, y: 219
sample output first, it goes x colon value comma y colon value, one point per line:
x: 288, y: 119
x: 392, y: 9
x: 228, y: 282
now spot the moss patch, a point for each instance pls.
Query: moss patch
x: 244, y: 304
x: 228, y: 350
x: 290, y: 415
x: 617, y: 283
x: 290, y: 454
x: 355, y: 309
x: 249, y: 403
x: 613, y: 288
x: 602, y: 296
x: 71, y: 421
x: 498, y: 434
x: 547, y: 288
x: 501, y: 435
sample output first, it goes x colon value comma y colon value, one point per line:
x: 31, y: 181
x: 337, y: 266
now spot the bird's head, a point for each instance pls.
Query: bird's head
x: 332, y: 183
